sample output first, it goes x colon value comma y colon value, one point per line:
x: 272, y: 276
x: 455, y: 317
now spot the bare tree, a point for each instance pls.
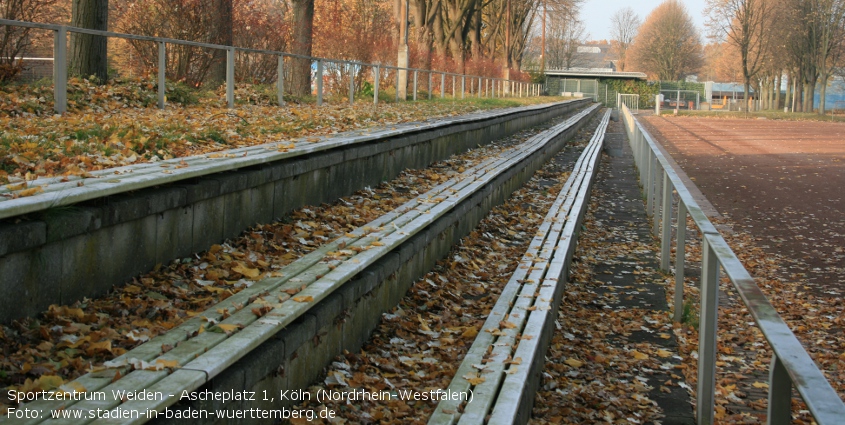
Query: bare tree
x: 667, y: 45
x: 624, y: 25
x: 89, y: 53
x: 830, y: 21
x: 743, y: 23
x: 566, y: 34
x: 15, y: 41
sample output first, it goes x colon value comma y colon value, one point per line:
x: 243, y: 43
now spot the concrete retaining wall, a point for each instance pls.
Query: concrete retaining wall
x: 296, y: 356
x: 68, y: 253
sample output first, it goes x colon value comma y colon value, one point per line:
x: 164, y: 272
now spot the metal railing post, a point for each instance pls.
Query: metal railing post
x: 708, y: 323
x: 280, y: 82
x: 780, y: 394
x: 319, y: 82
x: 415, y: 84
x: 375, y: 87
x: 666, y: 235
x: 658, y: 185
x: 463, y: 85
x: 162, y: 61
x: 643, y: 157
x: 351, y: 84
x: 60, y: 70
x: 443, y: 85
x: 479, y: 86
x: 680, y: 252
x: 429, y: 85
x: 230, y: 77
x: 397, y: 86
x: 453, y: 86
x: 648, y: 183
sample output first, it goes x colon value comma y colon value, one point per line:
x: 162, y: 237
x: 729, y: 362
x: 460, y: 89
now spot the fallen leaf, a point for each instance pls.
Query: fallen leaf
x: 573, y: 362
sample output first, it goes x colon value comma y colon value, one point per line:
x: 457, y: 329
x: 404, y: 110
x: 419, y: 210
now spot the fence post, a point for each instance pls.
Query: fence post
x: 351, y: 84
x: 648, y: 184
x: 397, y: 86
x: 463, y: 85
x: 375, y: 88
x: 162, y: 61
x: 60, y: 70
x: 415, y: 84
x: 442, y: 85
x: 680, y: 248
x: 780, y: 394
x: 280, y: 82
x: 479, y: 86
x: 429, y: 84
x: 643, y: 156
x: 230, y: 77
x: 666, y: 235
x: 453, y: 87
x: 705, y: 400
x: 658, y: 185
x: 319, y: 82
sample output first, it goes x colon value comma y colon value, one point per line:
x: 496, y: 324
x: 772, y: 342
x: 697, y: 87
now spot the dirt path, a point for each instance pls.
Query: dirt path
x: 781, y: 181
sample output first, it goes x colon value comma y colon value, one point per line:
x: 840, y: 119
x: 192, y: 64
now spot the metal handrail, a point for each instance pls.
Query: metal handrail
x: 60, y: 67
x: 791, y: 365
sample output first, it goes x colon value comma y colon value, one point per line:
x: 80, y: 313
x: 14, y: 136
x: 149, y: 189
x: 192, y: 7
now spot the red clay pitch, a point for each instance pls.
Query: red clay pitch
x: 781, y: 181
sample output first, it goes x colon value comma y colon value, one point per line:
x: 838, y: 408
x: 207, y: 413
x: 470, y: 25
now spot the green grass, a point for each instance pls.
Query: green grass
x: 690, y: 316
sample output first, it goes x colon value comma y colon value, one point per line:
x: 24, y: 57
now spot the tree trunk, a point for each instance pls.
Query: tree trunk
x: 746, y: 90
x: 439, y: 33
x: 822, y: 93
x: 475, y: 34
x: 221, y: 34
x: 89, y: 53
x: 809, y: 95
x: 303, y: 15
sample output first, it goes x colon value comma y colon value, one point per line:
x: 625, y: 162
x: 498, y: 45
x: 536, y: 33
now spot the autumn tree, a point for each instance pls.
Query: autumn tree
x: 667, y: 45
x: 259, y: 24
x: 623, y: 28
x: 89, y: 53
x: 829, y: 21
x: 720, y: 62
x: 14, y: 41
x: 744, y: 23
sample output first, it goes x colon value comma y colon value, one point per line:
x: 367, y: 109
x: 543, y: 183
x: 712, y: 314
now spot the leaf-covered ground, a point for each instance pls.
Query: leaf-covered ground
x: 774, y: 188
x: 613, y: 358
x: 420, y: 344
x: 119, y: 124
x: 67, y: 341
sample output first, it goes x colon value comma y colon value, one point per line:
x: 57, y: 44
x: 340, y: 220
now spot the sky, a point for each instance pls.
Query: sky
x: 596, y: 14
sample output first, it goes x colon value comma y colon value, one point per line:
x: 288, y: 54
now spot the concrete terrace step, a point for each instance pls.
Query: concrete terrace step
x: 502, y: 367
x: 209, y: 343
x: 67, y: 190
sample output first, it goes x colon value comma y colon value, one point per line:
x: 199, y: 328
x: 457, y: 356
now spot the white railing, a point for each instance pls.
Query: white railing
x: 791, y: 365
x: 631, y: 101
x: 494, y: 87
